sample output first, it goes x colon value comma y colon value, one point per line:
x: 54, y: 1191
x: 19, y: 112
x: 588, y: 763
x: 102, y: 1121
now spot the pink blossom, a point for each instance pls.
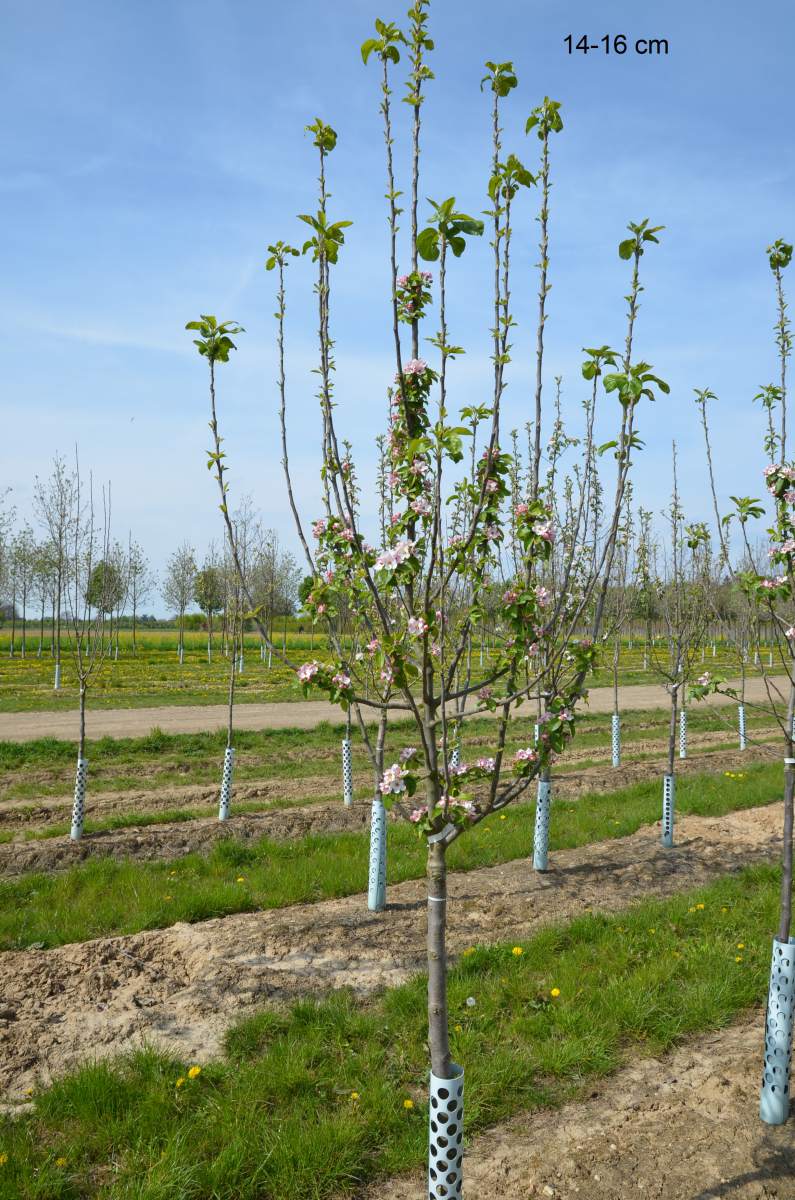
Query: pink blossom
x: 342, y: 680
x: 394, y: 479
x: 491, y: 486
x: 789, y: 496
x: 348, y: 534
x: 318, y: 528
x: 522, y: 509
x: 486, y: 764
x: 417, y: 626
x: 415, y: 366
x: 394, y: 556
x: 790, y: 633
x: 417, y: 814
x: 387, y: 674
x: 392, y: 781
x: 407, y: 752
x: 510, y: 597
x: 420, y: 506
x: 768, y: 471
x: 329, y: 576
x: 419, y: 467
x: 788, y: 546
x: 526, y: 755
x: 321, y: 608
x: 542, y: 596
x: 493, y: 533
x: 705, y: 679
x: 307, y: 671
x: 372, y: 645
x: 545, y: 530
x: 485, y: 693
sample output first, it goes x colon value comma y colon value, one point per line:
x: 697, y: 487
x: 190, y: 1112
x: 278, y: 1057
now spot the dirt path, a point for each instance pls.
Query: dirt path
x: 681, y: 1127
x: 181, y: 987
x: 173, y: 839
x: 301, y: 714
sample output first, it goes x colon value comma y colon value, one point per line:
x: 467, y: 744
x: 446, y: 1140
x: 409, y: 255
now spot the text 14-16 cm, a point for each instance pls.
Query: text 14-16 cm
x: 616, y: 43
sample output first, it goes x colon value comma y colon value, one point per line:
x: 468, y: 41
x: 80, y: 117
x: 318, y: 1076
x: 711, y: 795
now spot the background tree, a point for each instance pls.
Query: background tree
x: 55, y: 504
x: 208, y: 593
x: 141, y: 582
x: 178, y: 588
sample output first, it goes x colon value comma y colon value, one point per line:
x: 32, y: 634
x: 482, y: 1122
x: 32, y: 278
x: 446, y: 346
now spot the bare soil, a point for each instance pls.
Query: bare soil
x: 172, y: 840
x: 182, y: 987
x: 293, y: 714
x: 681, y: 1127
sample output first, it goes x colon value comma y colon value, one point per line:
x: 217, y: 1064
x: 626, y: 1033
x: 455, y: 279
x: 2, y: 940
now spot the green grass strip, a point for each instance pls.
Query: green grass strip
x: 105, y: 897
x: 311, y: 1103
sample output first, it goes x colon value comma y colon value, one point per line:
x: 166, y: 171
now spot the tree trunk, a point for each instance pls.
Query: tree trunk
x: 438, y: 1033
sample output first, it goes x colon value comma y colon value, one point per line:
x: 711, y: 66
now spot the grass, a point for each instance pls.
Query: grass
x: 309, y: 1103
x: 106, y: 897
x: 45, y: 767
x: 155, y: 677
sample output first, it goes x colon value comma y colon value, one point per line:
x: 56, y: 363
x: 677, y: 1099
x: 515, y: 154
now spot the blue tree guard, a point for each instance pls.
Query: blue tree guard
x: 347, y: 772
x: 615, y: 737
x: 376, y: 892
x: 446, y: 1136
x: 79, y: 803
x: 774, y: 1099
x: 541, y: 834
x: 226, y: 785
x: 669, y: 796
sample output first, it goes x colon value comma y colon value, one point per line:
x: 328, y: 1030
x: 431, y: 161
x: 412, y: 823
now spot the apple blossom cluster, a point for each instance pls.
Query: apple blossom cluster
x: 413, y: 295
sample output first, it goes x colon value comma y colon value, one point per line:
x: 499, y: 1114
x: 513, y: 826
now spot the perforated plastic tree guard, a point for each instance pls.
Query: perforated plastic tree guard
x: 79, y: 805
x: 57, y: 684
x: 181, y: 656
x: 376, y: 890
x: 226, y: 785
x: 615, y: 737
x: 741, y: 725
x: 774, y: 1100
x: 455, y: 756
x: 240, y: 665
x: 541, y: 834
x: 347, y: 771
x: 669, y: 796
x: 683, y: 733
x: 446, y: 1136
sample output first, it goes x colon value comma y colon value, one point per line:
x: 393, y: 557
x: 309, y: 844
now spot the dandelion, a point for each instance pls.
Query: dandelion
x: 458, y: 1028
x: 741, y: 945
x: 354, y: 1096
x: 738, y: 958
x: 168, y: 897
x: 240, y: 879
x: 503, y: 817
x: 60, y: 1162
x: 193, y: 1072
x: 517, y: 951
x: 3, y: 1159
x: 407, y: 1104
x: 652, y: 931
x: 700, y: 907
x: 180, y: 1082
x: 469, y: 950
x: 554, y: 992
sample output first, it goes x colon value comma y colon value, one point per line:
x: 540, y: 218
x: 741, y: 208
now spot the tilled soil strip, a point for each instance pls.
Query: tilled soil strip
x: 681, y: 1127
x: 181, y: 987
x: 171, y: 840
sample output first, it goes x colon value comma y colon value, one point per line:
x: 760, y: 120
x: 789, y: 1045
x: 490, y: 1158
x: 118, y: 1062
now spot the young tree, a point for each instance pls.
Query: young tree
x: 178, y: 588
x: 772, y: 595
x: 141, y: 582
x: 208, y: 593
x: 55, y: 505
x: 87, y: 545
x: 402, y: 588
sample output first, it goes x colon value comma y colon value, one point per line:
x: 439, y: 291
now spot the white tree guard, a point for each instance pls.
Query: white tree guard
x: 209, y: 651
x: 455, y: 756
x: 774, y: 1099
x: 535, y: 735
x: 741, y: 726
x: 347, y: 772
x: 615, y: 739
x: 446, y: 1136
x: 713, y: 649
x: 79, y: 804
x: 240, y: 664
x: 376, y: 890
x: 541, y: 834
x: 57, y: 684
x: 181, y: 655
x: 669, y: 800
x: 226, y: 785
x: 683, y: 733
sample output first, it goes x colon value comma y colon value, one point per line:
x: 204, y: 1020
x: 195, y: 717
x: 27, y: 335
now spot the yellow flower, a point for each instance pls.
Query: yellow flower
x: 652, y: 931
x: 724, y: 909
x: 193, y: 1072
x: 458, y: 1028
x: 167, y: 897
x: 3, y: 1159
x: 408, y: 1104
x: 738, y: 958
x: 692, y: 908
x: 60, y: 1162
x: 555, y: 992
x: 517, y: 951
x: 469, y: 950
x: 503, y: 817
x: 240, y: 879
x: 179, y: 1082
x: 700, y: 907
x: 741, y: 945
x: 354, y: 1096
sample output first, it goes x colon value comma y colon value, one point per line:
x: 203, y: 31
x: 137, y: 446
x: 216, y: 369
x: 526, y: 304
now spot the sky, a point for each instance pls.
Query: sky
x: 152, y: 151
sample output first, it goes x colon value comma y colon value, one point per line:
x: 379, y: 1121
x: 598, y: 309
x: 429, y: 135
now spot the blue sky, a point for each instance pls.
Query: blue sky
x: 151, y: 151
